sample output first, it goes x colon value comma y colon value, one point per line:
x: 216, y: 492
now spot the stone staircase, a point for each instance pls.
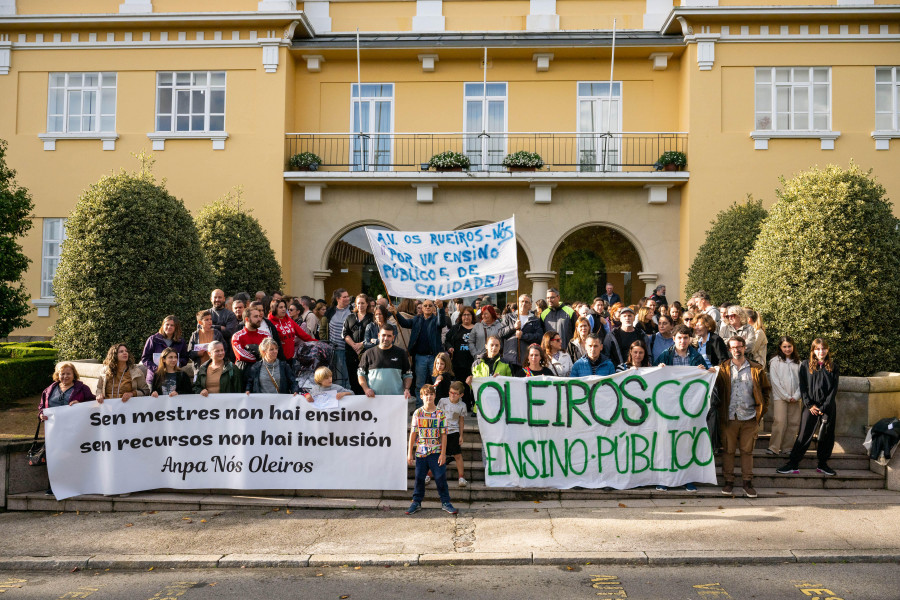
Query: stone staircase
x: 849, y: 460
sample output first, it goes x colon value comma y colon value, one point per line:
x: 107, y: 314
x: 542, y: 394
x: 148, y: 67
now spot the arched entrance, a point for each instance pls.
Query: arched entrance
x: 590, y: 257
x: 352, y: 265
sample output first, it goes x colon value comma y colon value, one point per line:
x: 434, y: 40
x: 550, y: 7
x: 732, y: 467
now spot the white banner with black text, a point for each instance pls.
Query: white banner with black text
x: 234, y: 441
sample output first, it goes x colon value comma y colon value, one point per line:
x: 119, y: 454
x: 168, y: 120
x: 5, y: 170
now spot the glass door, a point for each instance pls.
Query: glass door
x: 372, y: 120
x: 485, y: 139
x: 599, y: 126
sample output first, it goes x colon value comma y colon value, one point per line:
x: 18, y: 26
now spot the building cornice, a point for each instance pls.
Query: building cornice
x: 707, y: 15
x: 196, y: 19
x: 508, y: 39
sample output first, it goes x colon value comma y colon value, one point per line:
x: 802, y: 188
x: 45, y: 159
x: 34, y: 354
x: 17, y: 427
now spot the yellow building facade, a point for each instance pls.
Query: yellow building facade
x: 747, y: 91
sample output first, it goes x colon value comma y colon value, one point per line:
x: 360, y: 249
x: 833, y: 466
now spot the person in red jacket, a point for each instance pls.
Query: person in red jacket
x: 245, y: 342
x: 287, y: 328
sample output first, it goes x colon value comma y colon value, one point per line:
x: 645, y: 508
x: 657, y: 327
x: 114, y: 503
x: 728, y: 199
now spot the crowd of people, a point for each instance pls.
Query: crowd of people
x: 244, y: 344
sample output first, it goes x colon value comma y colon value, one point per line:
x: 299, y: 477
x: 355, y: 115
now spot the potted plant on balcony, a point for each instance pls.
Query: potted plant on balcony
x: 305, y: 161
x: 523, y: 161
x: 671, y: 161
x: 449, y: 161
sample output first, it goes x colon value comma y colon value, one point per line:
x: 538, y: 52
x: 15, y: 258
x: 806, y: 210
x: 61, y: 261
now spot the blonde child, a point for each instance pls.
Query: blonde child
x: 323, y: 378
x: 455, y: 411
x: 427, y: 450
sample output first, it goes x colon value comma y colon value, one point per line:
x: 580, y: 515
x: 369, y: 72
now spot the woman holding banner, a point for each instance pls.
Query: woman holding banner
x: 169, y: 379
x: 120, y: 377
x: 490, y: 365
x: 560, y: 361
x: 638, y: 356
x: 270, y: 375
x: 218, y: 375
x: 537, y: 364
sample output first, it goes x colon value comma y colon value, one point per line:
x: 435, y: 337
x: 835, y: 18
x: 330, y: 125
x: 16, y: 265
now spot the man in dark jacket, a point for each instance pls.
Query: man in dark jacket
x: 611, y: 297
x: 558, y: 317
x: 424, y: 339
x: 619, y: 340
x: 520, y: 330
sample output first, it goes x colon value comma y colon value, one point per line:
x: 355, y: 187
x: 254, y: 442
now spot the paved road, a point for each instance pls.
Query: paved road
x: 764, y: 582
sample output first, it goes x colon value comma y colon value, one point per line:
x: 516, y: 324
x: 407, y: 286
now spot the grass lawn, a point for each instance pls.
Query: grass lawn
x: 18, y: 418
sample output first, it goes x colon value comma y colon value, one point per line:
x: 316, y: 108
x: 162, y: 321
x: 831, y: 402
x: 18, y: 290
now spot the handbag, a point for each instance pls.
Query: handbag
x: 37, y: 453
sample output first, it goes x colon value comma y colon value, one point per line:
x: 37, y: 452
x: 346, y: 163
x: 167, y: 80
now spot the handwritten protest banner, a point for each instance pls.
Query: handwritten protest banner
x: 640, y: 427
x: 265, y: 441
x: 447, y: 264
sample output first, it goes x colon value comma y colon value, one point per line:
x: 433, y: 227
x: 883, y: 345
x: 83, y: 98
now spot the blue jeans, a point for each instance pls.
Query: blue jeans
x: 423, y: 368
x: 339, y: 369
x: 438, y: 473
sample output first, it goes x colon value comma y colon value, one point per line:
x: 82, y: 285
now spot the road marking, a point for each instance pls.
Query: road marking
x: 816, y: 591
x: 12, y: 583
x: 708, y: 590
x: 173, y: 590
x: 82, y: 592
x: 610, y: 587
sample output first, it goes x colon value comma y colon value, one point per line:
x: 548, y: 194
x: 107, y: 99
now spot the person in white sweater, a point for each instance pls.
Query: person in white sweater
x: 784, y: 373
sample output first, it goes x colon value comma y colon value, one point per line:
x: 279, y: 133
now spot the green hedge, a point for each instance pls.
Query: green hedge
x: 27, y: 350
x: 22, y: 377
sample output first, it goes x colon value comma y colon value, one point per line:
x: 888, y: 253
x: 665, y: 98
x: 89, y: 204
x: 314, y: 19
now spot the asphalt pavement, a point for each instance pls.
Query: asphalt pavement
x: 600, y: 582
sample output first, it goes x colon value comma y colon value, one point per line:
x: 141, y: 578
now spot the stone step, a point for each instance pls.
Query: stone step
x: 197, y: 500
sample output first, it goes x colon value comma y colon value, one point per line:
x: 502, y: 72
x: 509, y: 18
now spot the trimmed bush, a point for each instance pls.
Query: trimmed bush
x: 23, y: 377
x: 131, y: 257
x: 25, y: 351
x: 15, y: 221
x: 237, y: 248
x: 722, y: 259
x: 825, y: 264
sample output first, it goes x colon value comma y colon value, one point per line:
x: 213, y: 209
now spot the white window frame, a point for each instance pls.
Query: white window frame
x: 883, y: 135
x: 484, y: 98
x: 597, y: 139
x: 46, y: 275
x: 772, y: 87
x: 355, y: 100
x: 103, y: 112
x: 191, y: 87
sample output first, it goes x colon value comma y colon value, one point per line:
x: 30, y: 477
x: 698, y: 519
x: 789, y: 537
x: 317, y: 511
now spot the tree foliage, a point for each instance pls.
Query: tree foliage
x: 582, y: 283
x: 131, y: 257
x: 722, y: 259
x: 15, y: 221
x: 824, y: 266
x: 237, y: 247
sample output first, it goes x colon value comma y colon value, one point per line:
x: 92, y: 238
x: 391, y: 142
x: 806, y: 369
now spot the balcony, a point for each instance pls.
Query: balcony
x: 576, y: 158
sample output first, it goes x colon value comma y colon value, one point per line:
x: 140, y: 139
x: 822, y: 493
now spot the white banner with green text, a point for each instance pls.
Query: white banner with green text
x: 640, y: 427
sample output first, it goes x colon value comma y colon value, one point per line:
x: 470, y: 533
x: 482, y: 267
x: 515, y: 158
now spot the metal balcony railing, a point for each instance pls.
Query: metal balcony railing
x: 584, y: 152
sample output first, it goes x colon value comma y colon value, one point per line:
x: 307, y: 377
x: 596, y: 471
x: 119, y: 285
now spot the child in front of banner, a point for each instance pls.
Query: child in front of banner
x: 455, y: 411
x: 428, y: 450
x: 324, y: 379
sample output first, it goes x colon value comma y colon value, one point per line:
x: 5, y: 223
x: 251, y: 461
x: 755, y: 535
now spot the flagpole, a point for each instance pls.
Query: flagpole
x: 612, y: 63
x: 358, y: 89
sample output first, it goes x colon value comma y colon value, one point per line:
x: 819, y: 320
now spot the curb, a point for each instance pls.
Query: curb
x: 268, y: 561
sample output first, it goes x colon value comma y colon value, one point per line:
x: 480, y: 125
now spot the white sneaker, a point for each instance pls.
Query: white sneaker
x: 427, y: 479
x: 463, y: 482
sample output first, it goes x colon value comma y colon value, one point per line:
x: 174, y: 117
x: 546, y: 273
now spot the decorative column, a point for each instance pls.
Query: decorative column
x: 319, y: 278
x: 540, y: 282
x: 649, y: 280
